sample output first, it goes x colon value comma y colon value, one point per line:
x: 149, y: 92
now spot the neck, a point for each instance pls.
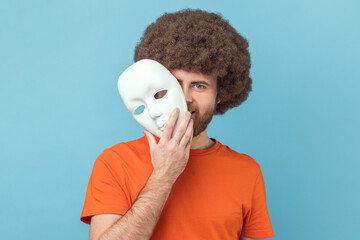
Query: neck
x: 201, y: 141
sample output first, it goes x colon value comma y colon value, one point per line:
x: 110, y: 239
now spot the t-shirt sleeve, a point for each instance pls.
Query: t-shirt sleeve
x: 257, y: 222
x: 105, y: 193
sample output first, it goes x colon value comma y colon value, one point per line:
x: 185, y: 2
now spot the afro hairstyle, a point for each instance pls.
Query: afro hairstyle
x: 203, y: 42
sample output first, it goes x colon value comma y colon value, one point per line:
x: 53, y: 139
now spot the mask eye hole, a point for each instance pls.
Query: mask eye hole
x: 160, y: 94
x: 139, y: 110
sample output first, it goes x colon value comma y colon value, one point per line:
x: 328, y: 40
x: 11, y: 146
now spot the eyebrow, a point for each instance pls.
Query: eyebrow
x: 197, y: 82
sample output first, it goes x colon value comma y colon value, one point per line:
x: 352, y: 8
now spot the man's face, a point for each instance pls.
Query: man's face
x: 200, y: 93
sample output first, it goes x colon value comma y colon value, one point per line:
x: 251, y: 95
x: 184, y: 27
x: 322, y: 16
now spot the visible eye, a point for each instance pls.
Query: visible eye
x: 160, y: 94
x: 199, y: 86
x: 139, y: 110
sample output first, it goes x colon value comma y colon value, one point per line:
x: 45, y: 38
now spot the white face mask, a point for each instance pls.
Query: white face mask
x: 150, y: 92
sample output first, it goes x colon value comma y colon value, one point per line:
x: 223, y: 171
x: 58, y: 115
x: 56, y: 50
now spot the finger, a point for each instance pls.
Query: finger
x: 151, y: 139
x: 169, y: 127
x: 188, y: 145
x: 182, y: 127
x: 187, y: 138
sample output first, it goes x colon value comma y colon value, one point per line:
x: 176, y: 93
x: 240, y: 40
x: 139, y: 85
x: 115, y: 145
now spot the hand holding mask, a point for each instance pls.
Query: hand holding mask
x: 150, y: 92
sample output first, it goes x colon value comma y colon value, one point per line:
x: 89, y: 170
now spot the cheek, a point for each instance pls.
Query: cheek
x: 144, y: 119
x: 204, y: 105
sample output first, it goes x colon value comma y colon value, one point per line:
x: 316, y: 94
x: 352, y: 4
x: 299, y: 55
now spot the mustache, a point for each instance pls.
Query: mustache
x: 192, y: 108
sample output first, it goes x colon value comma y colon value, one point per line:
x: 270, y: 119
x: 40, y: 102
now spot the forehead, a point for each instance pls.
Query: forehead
x: 186, y: 76
x: 142, y: 85
x: 147, y: 72
x: 144, y: 78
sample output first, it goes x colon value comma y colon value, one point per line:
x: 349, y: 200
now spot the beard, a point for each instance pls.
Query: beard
x: 201, y: 121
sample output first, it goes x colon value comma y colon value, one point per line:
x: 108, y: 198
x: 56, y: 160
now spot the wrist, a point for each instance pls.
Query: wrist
x: 160, y: 179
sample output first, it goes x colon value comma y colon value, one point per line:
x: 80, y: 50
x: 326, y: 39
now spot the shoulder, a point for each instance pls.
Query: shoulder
x: 134, y: 146
x: 123, y: 152
x: 242, y: 160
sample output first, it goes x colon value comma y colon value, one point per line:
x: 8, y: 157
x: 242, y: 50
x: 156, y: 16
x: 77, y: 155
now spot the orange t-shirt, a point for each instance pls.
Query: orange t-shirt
x: 220, y: 194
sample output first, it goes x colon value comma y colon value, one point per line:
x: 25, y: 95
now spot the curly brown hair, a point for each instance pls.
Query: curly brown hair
x: 199, y: 41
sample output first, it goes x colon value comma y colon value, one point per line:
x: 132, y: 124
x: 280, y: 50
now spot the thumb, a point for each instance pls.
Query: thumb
x: 151, y: 139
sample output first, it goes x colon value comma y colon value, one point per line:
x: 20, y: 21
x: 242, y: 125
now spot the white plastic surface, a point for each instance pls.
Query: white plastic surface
x: 150, y: 92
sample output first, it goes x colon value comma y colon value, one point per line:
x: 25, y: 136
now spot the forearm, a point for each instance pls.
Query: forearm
x: 169, y: 158
x: 140, y: 220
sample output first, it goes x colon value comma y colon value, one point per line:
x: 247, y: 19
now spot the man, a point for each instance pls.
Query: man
x: 189, y: 186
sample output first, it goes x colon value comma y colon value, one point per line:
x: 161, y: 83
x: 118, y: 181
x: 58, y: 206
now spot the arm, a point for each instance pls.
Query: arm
x: 139, y: 221
x: 169, y: 158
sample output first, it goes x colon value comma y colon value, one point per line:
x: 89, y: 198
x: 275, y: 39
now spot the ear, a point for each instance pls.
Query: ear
x: 218, y: 100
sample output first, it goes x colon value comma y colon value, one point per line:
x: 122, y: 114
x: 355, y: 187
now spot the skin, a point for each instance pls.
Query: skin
x: 169, y: 158
x: 200, y: 93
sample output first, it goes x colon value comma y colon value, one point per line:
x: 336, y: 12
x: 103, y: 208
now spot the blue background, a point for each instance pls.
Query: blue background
x: 59, y: 107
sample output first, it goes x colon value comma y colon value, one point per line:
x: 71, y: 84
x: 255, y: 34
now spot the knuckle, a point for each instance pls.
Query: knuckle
x: 181, y: 131
x: 172, y: 149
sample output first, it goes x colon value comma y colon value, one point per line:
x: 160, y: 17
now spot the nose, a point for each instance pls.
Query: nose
x: 187, y: 94
x: 153, y: 111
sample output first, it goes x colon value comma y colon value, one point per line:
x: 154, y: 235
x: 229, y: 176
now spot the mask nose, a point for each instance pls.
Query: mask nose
x: 153, y: 111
